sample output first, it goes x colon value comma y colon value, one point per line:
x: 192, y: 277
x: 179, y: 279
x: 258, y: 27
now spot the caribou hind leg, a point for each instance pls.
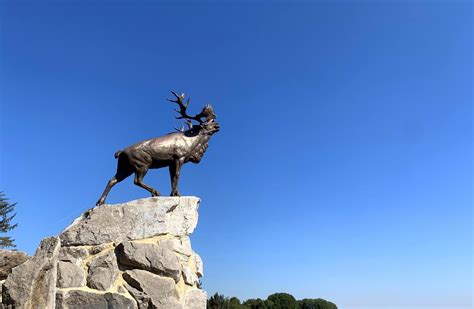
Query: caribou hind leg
x: 139, y: 174
x: 112, y: 182
x: 124, y: 169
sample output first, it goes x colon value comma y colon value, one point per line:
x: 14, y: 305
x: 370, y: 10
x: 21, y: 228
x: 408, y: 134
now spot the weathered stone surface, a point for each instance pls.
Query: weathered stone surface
x: 97, y: 249
x: 151, y: 257
x: 72, y: 254
x: 1, y: 289
x: 179, y: 245
x: 199, y: 265
x: 32, y: 284
x: 121, y: 289
x: 142, y: 299
x: 70, y: 275
x: 138, y: 219
x: 153, y: 265
x: 189, y: 275
x: 80, y: 299
x: 10, y: 259
x: 195, y: 299
x: 103, y: 272
x: 152, y: 291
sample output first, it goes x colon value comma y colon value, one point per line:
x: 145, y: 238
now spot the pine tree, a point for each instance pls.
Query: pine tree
x: 6, y: 217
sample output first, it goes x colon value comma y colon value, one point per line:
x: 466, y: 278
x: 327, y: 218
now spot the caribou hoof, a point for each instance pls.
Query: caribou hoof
x: 155, y: 193
x: 175, y: 194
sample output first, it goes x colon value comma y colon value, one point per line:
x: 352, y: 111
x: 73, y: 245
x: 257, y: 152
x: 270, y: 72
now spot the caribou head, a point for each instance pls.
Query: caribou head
x: 207, y: 126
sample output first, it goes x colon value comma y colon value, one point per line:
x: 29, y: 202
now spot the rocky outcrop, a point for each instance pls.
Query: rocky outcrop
x: 140, y: 219
x: 10, y: 259
x: 33, y: 283
x: 149, y: 289
x: 132, y: 255
x: 82, y: 299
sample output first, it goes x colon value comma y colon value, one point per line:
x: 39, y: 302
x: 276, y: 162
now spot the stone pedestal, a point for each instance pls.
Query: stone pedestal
x: 132, y: 255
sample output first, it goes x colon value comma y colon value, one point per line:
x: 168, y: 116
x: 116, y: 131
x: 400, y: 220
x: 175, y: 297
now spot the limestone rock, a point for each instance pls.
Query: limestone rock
x: 72, y: 254
x: 70, y: 275
x: 138, y: 219
x: 99, y: 248
x: 140, y: 297
x: 151, y: 290
x: 10, y: 259
x: 195, y: 299
x: 1, y: 288
x: 32, y: 284
x: 189, y: 275
x: 198, y: 264
x: 150, y: 257
x: 178, y: 245
x: 80, y: 299
x: 103, y: 271
x: 132, y: 255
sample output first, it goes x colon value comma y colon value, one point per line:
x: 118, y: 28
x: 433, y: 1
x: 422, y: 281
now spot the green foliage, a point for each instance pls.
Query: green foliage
x: 254, y: 304
x: 6, y: 216
x: 281, y: 301
x: 218, y: 301
x: 274, y: 301
x: 318, y: 303
x: 234, y: 303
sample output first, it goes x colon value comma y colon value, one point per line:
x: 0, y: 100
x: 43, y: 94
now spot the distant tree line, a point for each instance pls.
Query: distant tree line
x: 274, y: 301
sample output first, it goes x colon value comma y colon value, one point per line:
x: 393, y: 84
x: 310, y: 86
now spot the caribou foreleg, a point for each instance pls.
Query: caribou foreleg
x: 175, y: 169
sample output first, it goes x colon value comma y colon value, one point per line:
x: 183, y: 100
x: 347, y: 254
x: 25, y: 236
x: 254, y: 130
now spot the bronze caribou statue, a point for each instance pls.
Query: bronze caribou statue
x: 172, y: 150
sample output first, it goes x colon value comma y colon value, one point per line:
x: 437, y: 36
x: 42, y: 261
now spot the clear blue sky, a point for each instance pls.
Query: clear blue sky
x: 344, y: 166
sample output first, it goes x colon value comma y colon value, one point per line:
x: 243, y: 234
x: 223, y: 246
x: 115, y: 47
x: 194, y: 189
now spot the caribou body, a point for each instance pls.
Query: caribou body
x: 171, y: 150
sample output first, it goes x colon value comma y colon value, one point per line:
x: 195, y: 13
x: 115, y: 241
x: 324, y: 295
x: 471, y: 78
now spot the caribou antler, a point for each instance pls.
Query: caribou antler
x: 183, y: 107
x: 180, y: 130
x: 188, y: 123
